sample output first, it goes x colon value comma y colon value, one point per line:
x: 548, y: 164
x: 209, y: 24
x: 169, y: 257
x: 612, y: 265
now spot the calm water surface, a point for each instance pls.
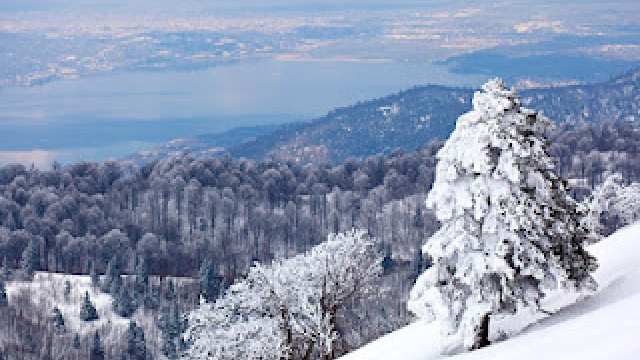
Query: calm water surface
x: 113, y: 115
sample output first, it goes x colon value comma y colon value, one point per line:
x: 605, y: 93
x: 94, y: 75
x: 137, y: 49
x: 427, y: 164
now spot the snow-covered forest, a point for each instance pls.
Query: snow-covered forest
x: 151, y: 241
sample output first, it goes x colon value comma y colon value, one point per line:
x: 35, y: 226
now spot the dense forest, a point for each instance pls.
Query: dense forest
x: 212, y: 218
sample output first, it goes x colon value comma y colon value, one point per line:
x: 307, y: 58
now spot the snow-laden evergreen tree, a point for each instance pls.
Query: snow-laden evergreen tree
x: 4, y: 301
x: 87, y: 310
x: 290, y: 309
x: 136, y: 346
x: 5, y: 272
x: 210, y: 282
x: 170, y: 293
x: 510, y: 231
x: 76, y: 341
x: 173, y: 325
x: 142, y: 276
x: 387, y: 259
x: 123, y: 304
x: 113, y: 277
x: 67, y: 290
x: 58, y: 320
x: 94, y: 275
x: 96, y: 351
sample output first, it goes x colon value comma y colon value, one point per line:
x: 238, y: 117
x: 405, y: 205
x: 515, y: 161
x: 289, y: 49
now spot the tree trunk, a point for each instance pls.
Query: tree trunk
x: 482, y: 333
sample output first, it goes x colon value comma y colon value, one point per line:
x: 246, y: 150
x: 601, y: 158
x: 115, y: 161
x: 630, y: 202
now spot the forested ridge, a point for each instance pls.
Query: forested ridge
x: 406, y: 120
x: 411, y: 118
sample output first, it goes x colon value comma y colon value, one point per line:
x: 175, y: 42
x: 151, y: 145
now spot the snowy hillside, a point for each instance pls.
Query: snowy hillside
x: 47, y: 291
x: 602, y: 326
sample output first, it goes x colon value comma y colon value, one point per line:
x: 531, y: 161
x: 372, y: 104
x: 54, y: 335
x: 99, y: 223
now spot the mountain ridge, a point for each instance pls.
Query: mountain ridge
x: 411, y: 118
x: 407, y: 120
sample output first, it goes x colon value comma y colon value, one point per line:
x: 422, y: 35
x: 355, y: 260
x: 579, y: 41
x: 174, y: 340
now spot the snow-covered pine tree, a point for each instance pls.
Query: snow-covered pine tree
x: 141, y: 276
x: 4, y: 301
x: 96, y: 351
x: 76, y: 341
x: 94, y: 275
x: 67, y: 290
x: 87, y: 310
x: 510, y: 231
x: 58, y: 320
x: 170, y: 292
x: 209, y: 280
x: 113, y: 277
x: 136, y: 348
x: 5, y: 272
x: 122, y: 303
x: 173, y: 325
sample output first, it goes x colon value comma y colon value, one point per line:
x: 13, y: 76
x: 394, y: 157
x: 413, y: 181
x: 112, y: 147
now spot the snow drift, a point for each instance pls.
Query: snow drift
x: 604, y: 325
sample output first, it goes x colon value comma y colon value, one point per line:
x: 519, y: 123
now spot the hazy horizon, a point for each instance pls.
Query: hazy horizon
x: 228, y: 5
x: 73, y: 68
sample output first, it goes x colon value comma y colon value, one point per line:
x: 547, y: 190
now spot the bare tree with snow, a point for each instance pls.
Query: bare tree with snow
x: 613, y: 205
x: 510, y: 230
x: 290, y: 309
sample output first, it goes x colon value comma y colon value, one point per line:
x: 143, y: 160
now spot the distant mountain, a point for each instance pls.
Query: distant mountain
x: 405, y: 120
x: 414, y: 117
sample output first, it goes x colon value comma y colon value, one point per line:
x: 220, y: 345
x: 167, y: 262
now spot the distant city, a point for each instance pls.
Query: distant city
x: 41, y: 47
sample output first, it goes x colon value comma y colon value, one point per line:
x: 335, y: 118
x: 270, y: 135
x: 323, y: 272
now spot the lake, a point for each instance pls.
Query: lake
x: 114, y: 115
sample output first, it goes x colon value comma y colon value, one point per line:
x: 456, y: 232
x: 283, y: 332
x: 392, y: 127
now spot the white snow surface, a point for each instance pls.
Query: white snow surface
x: 46, y: 291
x: 602, y: 326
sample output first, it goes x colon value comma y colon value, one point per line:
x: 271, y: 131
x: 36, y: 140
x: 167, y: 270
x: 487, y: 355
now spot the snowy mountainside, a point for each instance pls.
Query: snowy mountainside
x: 37, y: 299
x: 604, y: 325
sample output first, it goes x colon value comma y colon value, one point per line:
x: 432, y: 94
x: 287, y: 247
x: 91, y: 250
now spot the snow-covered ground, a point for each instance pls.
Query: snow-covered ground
x: 603, y: 326
x: 47, y: 291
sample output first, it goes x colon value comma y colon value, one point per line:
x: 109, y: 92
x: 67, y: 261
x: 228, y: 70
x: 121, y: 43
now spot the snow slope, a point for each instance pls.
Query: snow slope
x: 605, y: 325
x: 47, y: 291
